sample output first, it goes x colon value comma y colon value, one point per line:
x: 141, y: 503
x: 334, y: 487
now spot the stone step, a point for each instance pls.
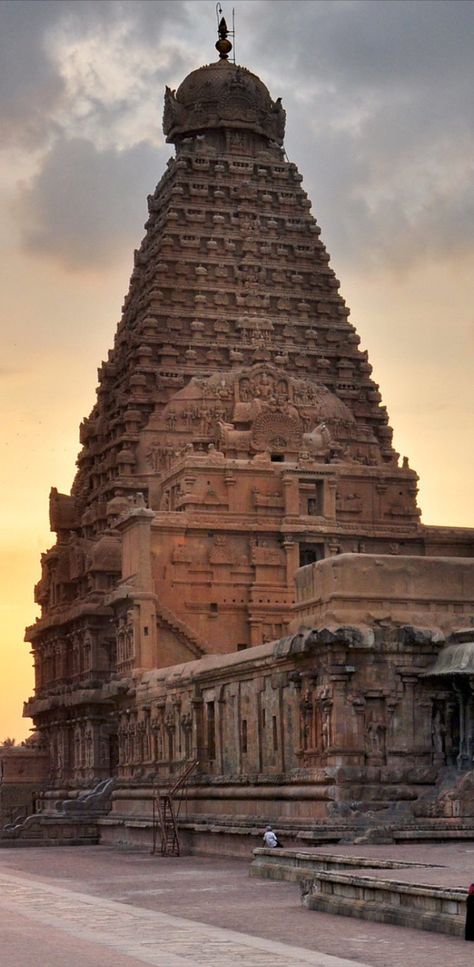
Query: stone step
x: 335, y: 883
x: 435, y: 834
x: 35, y: 842
x: 299, y: 865
x: 415, y: 905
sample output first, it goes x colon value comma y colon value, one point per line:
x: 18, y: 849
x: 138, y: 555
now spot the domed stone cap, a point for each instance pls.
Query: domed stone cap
x: 106, y: 554
x: 222, y: 95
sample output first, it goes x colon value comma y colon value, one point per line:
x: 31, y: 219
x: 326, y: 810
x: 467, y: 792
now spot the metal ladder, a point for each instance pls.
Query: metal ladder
x: 165, y: 817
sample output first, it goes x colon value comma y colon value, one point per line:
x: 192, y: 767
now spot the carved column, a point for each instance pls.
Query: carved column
x: 198, y: 725
x: 329, y: 498
x: 291, y: 495
x: 230, y: 482
x: 464, y: 759
x: 343, y: 734
x: 409, y: 738
x: 291, y: 548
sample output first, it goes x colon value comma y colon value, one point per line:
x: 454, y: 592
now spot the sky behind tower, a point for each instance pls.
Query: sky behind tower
x: 380, y: 123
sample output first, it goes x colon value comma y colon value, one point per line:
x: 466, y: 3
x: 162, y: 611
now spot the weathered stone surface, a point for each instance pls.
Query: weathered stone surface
x: 238, y: 443
x: 23, y: 774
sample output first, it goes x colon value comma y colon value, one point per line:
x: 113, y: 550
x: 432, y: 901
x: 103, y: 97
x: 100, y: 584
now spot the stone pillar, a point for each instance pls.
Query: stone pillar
x: 219, y: 727
x: 410, y: 739
x: 281, y: 728
x: 136, y: 564
x: 255, y: 625
x: 230, y: 482
x: 291, y: 497
x: 343, y: 738
x: 464, y: 759
x: 260, y: 736
x: 329, y: 498
x: 198, y: 737
x: 422, y: 719
x: 291, y: 548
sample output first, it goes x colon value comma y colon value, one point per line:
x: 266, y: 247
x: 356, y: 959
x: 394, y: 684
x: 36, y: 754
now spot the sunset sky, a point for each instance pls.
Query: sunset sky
x: 379, y: 101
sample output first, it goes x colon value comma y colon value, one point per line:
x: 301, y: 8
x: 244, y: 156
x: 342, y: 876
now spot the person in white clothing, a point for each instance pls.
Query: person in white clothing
x: 270, y: 838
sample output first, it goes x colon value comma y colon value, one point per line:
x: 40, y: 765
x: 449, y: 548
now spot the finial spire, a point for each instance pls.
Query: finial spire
x: 223, y: 45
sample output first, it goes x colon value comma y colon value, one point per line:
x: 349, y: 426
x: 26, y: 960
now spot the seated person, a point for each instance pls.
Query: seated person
x: 270, y: 839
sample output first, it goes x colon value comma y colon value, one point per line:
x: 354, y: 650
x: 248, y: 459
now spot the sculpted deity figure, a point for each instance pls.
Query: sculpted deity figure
x: 438, y: 732
x: 264, y: 387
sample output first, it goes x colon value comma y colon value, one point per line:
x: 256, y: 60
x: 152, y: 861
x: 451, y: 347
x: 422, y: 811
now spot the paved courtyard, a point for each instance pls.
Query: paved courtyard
x: 96, y: 906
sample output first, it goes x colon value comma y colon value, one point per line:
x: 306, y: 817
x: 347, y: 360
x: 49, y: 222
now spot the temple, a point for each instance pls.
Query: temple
x: 240, y: 574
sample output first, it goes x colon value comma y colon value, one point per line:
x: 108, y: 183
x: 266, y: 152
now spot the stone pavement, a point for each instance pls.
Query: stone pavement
x: 96, y: 906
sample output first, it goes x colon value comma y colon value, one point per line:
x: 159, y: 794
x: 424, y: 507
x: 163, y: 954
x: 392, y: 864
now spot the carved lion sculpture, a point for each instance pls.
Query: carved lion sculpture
x: 319, y: 442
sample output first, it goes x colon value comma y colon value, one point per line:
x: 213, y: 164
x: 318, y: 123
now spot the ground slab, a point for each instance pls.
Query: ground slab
x: 92, y: 905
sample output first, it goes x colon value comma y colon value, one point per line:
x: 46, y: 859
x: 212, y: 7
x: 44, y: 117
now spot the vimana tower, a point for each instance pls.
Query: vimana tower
x: 238, y: 437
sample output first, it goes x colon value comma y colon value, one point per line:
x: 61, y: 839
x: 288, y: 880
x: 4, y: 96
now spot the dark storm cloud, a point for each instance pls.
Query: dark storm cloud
x: 363, y: 43
x: 31, y: 86
x: 379, y: 102
x: 380, y: 118
x: 85, y: 206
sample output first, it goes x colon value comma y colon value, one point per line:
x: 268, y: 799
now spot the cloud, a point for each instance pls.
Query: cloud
x: 380, y: 119
x: 30, y: 87
x: 379, y: 101
x: 85, y: 205
x: 362, y: 44
x: 42, y: 42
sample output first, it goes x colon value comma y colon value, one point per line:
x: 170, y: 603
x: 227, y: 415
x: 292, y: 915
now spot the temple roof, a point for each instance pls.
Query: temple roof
x: 219, y: 95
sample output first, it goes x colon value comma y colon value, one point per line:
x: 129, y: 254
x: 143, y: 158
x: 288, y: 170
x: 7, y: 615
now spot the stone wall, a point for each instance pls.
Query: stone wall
x: 24, y: 772
x: 337, y: 720
x: 431, y: 591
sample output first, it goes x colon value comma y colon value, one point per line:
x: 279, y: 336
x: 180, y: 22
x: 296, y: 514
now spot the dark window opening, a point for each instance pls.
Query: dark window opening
x: 277, y: 458
x: 211, y: 731
x: 244, y: 736
x: 310, y: 553
x: 316, y: 501
x: 275, y: 734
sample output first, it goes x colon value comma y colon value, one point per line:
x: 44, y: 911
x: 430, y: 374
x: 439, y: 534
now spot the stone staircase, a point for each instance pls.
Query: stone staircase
x: 72, y: 823
x: 183, y: 632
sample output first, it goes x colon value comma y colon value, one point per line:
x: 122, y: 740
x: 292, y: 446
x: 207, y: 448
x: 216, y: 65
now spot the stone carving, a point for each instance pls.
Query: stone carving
x: 375, y: 729
x: 220, y: 93
x: 262, y: 553
x: 235, y: 398
x: 438, y: 731
x: 350, y: 503
x: 318, y: 442
x: 63, y: 511
x: 221, y: 552
x: 325, y: 728
x: 93, y: 802
x: 276, y: 431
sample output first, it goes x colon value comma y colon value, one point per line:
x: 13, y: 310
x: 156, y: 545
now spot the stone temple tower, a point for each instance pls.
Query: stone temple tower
x: 237, y: 432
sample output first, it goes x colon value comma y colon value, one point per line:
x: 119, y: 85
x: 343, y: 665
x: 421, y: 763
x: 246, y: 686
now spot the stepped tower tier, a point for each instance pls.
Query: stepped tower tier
x: 237, y: 431
x: 231, y: 272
